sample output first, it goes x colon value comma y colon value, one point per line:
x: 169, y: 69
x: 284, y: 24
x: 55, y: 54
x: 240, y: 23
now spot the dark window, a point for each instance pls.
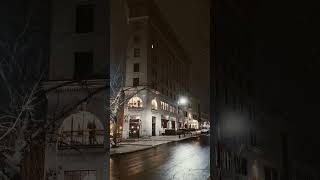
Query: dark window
x: 136, y: 52
x: 136, y: 67
x: 83, y: 67
x: 135, y: 81
x: 84, y: 18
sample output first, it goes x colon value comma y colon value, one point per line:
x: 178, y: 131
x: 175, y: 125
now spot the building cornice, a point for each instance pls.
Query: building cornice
x: 72, y: 85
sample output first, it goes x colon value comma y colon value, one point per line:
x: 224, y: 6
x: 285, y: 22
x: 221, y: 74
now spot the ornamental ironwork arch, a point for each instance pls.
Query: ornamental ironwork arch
x: 81, y: 128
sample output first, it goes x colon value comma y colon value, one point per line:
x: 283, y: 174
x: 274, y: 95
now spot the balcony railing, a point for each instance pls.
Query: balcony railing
x: 81, y: 139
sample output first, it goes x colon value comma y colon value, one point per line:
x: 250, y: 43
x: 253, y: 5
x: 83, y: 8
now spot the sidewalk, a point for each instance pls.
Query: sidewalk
x: 133, y: 145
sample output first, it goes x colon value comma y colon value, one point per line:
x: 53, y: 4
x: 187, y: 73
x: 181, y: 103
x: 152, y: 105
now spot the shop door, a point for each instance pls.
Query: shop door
x: 134, y: 128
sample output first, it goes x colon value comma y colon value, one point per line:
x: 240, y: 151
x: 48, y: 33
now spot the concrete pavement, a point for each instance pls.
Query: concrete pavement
x: 133, y: 145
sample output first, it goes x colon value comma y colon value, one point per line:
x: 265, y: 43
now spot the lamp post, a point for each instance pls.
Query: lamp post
x: 182, y: 102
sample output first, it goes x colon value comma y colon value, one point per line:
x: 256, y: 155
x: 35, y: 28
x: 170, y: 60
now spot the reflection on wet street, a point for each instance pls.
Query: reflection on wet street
x: 185, y: 160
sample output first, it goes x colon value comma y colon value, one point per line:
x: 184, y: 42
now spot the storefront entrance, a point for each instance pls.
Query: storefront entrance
x: 134, y: 127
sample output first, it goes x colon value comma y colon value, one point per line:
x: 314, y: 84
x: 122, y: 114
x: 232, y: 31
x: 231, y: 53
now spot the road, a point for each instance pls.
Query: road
x: 184, y: 160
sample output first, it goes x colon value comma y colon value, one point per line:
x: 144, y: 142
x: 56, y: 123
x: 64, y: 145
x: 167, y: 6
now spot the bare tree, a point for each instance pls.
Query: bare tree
x: 24, y: 119
x: 22, y: 101
x: 119, y: 97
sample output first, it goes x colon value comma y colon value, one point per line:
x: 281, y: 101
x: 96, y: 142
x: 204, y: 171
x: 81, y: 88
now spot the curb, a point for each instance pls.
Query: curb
x: 150, y: 146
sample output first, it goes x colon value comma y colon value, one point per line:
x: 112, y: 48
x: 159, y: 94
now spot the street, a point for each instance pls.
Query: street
x: 184, y: 160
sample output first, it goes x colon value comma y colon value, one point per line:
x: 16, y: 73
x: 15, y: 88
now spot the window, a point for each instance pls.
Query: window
x: 185, y: 114
x: 135, y: 102
x: 135, y: 82
x: 164, y: 123
x: 136, y: 52
x: 83, y: 66
x: 80, y: 175
x: 136, y: 67
x: 84, y: 18
x: 154, y: 105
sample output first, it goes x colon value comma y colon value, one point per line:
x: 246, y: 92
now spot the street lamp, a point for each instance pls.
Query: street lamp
x: 182, y: 102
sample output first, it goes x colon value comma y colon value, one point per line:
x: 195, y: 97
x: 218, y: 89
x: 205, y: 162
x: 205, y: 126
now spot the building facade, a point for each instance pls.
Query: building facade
x: 78, y: 86
x: 157, y: 73
x: 246, y: 145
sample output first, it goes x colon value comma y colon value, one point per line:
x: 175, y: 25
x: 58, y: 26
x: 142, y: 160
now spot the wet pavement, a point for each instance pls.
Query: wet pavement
x: 183, y: 160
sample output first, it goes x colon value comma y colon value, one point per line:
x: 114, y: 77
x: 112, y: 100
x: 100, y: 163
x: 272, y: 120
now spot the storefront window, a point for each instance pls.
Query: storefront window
x: 164, y: 123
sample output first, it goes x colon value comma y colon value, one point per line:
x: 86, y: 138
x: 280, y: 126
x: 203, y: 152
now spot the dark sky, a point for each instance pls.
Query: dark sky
x: 190, y: 19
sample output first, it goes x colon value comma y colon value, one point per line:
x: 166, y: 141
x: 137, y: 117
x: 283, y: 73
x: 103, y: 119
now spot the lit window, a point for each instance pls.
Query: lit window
x: 135, y: 102
x: 154, y: 104
x: 152, y: 46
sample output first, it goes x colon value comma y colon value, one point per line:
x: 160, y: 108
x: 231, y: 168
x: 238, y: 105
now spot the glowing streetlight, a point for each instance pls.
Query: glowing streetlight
x: 183, y: 101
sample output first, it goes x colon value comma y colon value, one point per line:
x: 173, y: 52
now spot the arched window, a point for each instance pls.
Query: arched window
x: 82, y: 128
x: 135, y: 102
x: 154, y: 105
